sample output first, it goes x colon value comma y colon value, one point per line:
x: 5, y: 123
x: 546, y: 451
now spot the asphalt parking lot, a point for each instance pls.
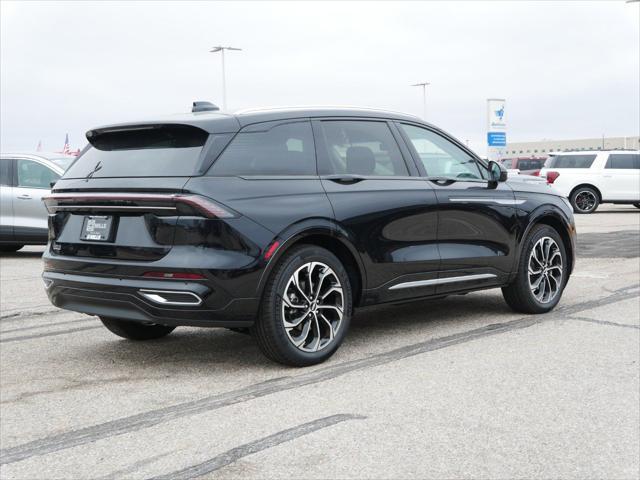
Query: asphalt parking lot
x: 460, y: 387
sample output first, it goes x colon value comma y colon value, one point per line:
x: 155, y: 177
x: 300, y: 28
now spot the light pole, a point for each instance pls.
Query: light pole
x: 424, y: 97
x: 224, y: 79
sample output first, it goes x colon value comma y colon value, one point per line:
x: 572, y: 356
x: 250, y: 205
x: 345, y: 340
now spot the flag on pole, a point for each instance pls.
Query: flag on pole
x: 65, y: 149
x: 39, y: 147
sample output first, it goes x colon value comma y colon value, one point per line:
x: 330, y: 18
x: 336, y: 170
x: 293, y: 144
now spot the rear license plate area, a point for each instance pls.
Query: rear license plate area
x: 98, y: 228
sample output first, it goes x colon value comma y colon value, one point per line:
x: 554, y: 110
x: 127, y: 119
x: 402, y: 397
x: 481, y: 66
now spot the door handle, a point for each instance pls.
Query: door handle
x: 345, y: 179
x: 24, y: 196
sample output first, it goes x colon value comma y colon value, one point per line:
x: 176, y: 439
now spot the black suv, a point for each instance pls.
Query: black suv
x: 280, y: 222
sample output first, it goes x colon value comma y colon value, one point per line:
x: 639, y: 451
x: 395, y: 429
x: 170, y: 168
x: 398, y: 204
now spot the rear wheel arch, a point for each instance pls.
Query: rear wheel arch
x: 587, y: 185
x: 327, y: 239
x: 554, y: 221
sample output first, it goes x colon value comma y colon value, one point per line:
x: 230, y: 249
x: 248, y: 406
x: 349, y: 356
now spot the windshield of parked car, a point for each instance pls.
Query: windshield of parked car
x: 63, y: 162
x: 141, y: 151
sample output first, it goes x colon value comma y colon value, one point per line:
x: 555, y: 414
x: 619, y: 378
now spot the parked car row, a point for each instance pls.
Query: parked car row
x: 586, y: 178
x: 589, y: 178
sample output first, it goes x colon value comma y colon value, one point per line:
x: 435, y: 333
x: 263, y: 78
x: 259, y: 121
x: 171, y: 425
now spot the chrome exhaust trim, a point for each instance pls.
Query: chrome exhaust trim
x: 160, y: 297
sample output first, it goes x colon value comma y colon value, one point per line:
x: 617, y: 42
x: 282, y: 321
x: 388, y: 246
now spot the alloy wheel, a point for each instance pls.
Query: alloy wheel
x: 585, y: 200
x: 545, y: 270
x: 312, y: 307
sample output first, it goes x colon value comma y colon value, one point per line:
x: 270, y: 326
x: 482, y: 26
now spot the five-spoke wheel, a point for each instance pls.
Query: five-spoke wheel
x: 585, y: 200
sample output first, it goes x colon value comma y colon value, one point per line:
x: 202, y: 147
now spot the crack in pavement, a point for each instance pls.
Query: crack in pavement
x: 231, y: 456
x: 85, y: 435
x: 49, y: 334
x: 604, y: 322
x: 21, y: 314
x: 44, y: 325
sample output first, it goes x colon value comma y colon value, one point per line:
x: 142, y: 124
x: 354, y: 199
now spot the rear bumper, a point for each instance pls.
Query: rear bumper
x: 145, y: 301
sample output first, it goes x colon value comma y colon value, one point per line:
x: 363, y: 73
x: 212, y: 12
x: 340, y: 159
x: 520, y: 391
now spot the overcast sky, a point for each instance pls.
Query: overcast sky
x: 567, y: 70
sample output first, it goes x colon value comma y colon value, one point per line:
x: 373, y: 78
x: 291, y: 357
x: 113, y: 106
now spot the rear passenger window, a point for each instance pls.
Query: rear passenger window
x: 365, y: 148
x: 34, y: 175
x: 624, y: 161
x: 571, y: 161
x: 286, y: 149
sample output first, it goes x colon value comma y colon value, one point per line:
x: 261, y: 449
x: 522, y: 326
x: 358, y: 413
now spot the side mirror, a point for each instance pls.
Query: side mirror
x: 497, y: 173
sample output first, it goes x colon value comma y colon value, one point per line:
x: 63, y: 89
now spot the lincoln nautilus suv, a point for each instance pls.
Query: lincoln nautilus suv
x: 281, y: 222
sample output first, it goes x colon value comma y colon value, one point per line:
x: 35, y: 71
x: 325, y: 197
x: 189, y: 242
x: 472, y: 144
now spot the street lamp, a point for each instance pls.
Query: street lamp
x: 424, y: 97
x: 224, y: 80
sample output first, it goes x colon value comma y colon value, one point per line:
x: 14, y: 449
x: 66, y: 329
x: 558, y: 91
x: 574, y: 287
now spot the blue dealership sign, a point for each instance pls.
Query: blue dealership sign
x: 497, y: 139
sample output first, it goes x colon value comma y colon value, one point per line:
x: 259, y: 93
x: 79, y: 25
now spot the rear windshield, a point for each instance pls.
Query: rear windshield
x: 570, y: 161
x: 145, y: 151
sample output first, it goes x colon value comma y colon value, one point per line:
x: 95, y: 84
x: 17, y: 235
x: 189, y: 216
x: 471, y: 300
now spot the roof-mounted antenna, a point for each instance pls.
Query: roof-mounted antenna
x: 204, y: 107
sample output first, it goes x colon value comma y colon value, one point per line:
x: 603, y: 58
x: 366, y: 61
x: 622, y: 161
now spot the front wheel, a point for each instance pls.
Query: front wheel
x: 136, y: 330
x: 306, y: 308
x: 542, y: 273
x: 585, y: 200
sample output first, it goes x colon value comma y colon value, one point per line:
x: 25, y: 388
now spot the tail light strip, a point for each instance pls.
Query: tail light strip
x: 113, y: 201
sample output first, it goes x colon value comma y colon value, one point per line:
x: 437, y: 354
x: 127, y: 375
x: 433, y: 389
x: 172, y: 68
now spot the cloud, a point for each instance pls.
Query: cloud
x: 567, y: 70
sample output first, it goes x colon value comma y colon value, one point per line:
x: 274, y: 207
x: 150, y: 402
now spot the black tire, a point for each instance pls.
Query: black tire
x: 136, y: 330
x: 10, y: 248
x: 269, y: 330
x: 518, y: 294
x: 585, y: 200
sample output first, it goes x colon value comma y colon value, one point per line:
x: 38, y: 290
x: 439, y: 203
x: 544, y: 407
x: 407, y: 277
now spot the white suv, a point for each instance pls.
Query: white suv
x: 589, y: 178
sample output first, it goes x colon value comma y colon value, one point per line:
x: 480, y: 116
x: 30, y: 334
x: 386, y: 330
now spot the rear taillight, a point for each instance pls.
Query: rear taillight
x: 536, y: 173
x: 551, y: 176
x: 174, y: 275
x: 163, y: 204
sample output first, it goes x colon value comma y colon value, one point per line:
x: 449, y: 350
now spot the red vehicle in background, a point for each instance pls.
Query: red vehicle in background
x: 526, y: 165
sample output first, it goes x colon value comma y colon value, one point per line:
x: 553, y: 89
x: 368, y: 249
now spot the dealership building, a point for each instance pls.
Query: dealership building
x: 543, y: 147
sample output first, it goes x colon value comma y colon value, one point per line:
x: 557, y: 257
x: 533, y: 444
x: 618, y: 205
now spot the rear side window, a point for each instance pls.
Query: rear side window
x: 35, y: 175
x: 5, y: 172
x: 571, y: 161
x: 141, y: 151
x: 365, y: 148
x: 536, y: 164
x: 624, y: 161
x: 286, y: 149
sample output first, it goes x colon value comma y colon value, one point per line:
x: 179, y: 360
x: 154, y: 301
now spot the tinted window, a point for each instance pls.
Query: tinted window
x: 282, y: 150
x: 145, y: 151
x: 35, y: 175
x: 362, y: 148
x: 571, y: 161
x: 5, y: 177
x: 506, y: 163
x: 625, y: 161
x: 440, y: 157
x: 537, y: 164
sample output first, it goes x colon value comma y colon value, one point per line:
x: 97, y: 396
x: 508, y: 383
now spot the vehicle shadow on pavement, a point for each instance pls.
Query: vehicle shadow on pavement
x: 205, y: 350
x: 19, y: 254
